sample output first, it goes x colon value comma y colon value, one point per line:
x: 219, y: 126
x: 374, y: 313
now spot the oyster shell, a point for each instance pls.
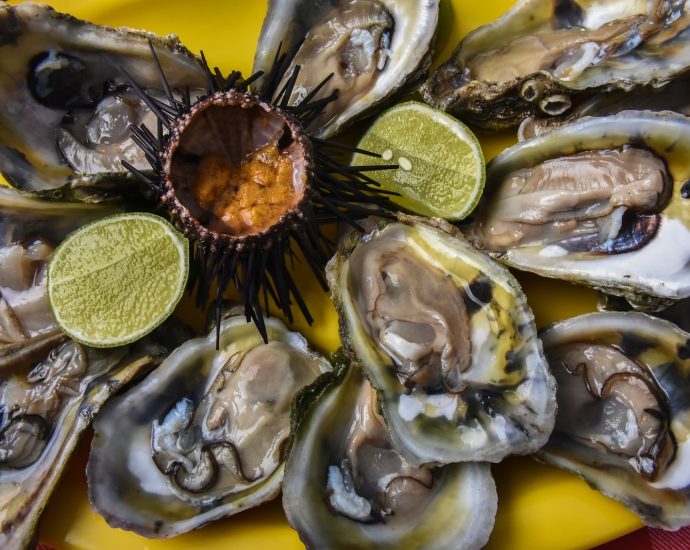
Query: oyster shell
x: 206, y: 431
x: 66, y: 106
x: 623, y: 421
x: 346, y: 484
x: 672, y: 97
x: 372, y: 48
x: 447, y: 338
x: 539, y: 55
x: 599, y: 202
x: 50, y: 389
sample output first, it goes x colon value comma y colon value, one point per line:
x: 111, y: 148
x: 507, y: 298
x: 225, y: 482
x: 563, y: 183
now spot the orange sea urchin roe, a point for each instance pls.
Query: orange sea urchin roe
x: 249, y: 197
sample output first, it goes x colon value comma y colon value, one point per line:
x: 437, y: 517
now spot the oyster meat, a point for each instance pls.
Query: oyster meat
x: 368, y: 49
x: 50, y: 390
x: 67, y: 105
x: 446, y: 337
x: 623, y: 421
x: 29, y: 231
x: 598, y: 202
x: 347, y: 485
x: 206, y: 431
x: 539, y: 55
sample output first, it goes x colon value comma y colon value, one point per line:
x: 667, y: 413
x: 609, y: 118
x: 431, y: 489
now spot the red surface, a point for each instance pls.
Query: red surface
x: 651, y: 539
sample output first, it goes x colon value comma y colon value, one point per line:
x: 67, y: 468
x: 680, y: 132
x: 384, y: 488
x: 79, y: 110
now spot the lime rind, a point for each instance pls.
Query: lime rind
x: 442, y: 168
x: 79, y: 295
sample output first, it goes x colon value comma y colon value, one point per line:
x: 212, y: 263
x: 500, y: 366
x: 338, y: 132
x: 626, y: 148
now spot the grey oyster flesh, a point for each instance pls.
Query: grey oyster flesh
x: 29, y: 230
x: 367, y: 49
x: 541, y: 53
x: 345, y: 480
x: 24, y: 308
x: 207, y: 431
x: 50, y: 390
x: 603, y: 201
x: 623, y: 421
x: 66, y: 102
x: 599, y: 202
x: 448, y: 340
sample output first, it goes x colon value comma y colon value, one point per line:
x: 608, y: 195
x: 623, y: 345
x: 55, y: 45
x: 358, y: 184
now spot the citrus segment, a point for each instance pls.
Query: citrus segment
x: 116, y: 279
x: 441, y: 167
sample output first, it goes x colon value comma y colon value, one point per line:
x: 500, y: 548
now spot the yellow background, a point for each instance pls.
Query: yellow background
x: 539, y: 506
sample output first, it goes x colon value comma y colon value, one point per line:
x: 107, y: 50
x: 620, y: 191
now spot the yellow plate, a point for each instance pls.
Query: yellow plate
x: 539, y: 507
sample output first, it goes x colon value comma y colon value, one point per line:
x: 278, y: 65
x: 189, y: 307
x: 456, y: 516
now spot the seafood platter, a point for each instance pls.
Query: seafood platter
x: 344, y: 373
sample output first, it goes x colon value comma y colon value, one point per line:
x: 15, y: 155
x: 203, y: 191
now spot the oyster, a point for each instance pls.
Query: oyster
x: 541, y: 53
x: 67, y: 106
x: 368, y: 49
x: 50, y: 389
x: 599, y: 202
x: 206, y: 431
x: 29, y: 231
x: 447, y: 338
x: 623, y: 420
x: 346, y: 484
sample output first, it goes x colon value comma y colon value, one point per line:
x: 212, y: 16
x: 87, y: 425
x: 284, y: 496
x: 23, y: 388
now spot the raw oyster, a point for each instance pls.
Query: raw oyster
x: 599, y: 202
x: 623, y: 420
x: 347, y: 486
x: 541, y: 53
x: 50, y: 389
x: 66, y: 106
x: 206, y: 431
x: 371, y: 47
x: 447, y: 338
x: 29, y: 230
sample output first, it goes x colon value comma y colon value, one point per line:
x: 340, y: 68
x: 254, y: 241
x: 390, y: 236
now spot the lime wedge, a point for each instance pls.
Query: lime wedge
x: 115, y: 280
x: 441, y: 166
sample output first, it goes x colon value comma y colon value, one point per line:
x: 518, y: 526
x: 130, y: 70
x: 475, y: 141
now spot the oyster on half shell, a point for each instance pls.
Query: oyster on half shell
x: 206, y: 432
x: 346, y: 485
x: 623, y: 420
x: 540, y: 54
x: 50, y: 390
x: 598, y: 202
x: 447, y: 339
x: 67, y: 106
x: 372, y: 48
x: 29, y: 231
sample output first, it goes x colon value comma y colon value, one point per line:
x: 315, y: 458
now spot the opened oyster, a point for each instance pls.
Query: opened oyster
x: 67, y: 106
x: 623, y: 420
x: 541, y: 53
x: 347, y: 485
x: 206, y: 432
x: 29, y: 231
x: 368, y: 49
x: 446, y: 336
x: 50, y: 390
x: 599, y: 202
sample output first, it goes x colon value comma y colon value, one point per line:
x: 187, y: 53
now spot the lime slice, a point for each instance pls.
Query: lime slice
x: 116, y: 279
x: 441, y: 166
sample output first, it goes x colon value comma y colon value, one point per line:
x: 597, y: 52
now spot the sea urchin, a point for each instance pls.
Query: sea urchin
x: 240, y: 175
